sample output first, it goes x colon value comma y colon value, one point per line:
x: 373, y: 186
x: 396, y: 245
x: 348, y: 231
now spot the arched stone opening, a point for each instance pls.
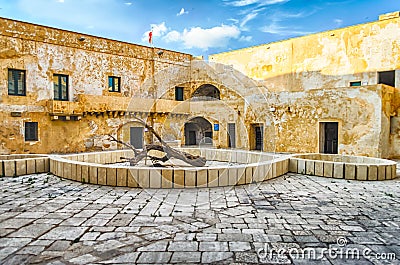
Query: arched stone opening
x: 198, y: 131
x: 206, y: 92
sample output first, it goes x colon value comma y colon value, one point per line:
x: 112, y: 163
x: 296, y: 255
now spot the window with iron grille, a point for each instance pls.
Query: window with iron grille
x: 16, y: 82
x: 114, y: 84
x: 60, y: 87
x: 31, y: 131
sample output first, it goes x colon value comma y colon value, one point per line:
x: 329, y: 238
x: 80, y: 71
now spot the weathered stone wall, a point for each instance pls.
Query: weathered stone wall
x: 287, y: 108
x: 323, y: 60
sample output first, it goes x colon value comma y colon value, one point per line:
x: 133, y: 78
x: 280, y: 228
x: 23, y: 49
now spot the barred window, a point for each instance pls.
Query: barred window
x: 31, y: 131
x: 114, y: 84
x: 60, y: 87
x: 16, y: 82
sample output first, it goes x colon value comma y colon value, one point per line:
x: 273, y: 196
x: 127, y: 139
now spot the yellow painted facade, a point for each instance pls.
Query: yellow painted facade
x: 281, y: 93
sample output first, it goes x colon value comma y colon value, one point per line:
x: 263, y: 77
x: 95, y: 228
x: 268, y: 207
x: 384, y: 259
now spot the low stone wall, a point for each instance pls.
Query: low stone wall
x: 92, y: 168
x: 18, y: 165
x: 343, y: 167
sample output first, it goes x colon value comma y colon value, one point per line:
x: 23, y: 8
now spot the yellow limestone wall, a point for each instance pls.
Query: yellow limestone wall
x: 148, y: 85
x: 323, y: 60
x: 311, y: 76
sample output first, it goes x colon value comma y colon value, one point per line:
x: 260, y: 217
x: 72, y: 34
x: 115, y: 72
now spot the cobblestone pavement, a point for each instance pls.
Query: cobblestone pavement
x: 46, y: 220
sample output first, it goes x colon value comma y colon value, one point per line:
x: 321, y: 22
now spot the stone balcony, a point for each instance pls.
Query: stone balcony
x: 94, y: 105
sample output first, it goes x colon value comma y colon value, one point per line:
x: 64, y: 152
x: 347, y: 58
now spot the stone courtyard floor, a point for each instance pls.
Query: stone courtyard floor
x: 47, y: 220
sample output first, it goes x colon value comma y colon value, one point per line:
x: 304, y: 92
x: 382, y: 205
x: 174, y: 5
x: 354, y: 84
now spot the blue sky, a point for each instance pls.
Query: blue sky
x: 197, y: 27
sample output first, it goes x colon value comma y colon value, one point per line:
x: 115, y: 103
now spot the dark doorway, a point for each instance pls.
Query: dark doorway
x: 329, y: 136
x: 387, y: 78
x: 232, y: 135
x: 192, y: 138
x: 198, y: 131
x: 136, y: 137
x: 256, y: 137
x: 259, y: 138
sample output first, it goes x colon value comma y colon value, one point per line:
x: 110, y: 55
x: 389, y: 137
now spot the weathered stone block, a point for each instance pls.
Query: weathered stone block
x: 269, y: 171
x: 362, y: 172
x: 30, y: 166
x: 328, y: 169
x: 393, y: 171
x: 167, y: 178
x: 133, y: 178
x: 1, y: 169
x: 179, y: 178
x: 78, y: 172
x: 46, y: 164
x: 232, y: 176
x: 241, y: 173
x: 212, y: 177
x: 319, y: 168
x: 381, y: 173
x: 350, y: 171
x: 388, y: 172
x: 144, y: 178
x: 111, y: 176
x: 338, y: 170
x: 223, y: 178
x: 233, y: 156
x: 85, y: 174
x: 102, y: 176
x: 190, y: 178
x: 122, y: 177
x: 301, y: 166
x: 20, y: 167
x: 9, y: 168
x: 310, y: 170
x: 249, y: 174
x: 285, y: 166
x: 293, y: 165
x: 67, y: 171
x: 39, y: 165
x: 93, y: 174
x: 202, y: 178
x: 60, y: 168
x: 258, y: 172
x: 155, y: 178
x: 373, y: 173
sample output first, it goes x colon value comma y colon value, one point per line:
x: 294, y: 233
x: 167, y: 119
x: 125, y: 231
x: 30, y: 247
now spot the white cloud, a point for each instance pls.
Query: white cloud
x: 246, y: 38
x: 60, y: 1
x: 247, y: 18
x: 204, y: 38
x: 158, y: 31
x: 182, y: 12
x: 128, y: 3
x: 274, y: 28
x: 242, y: 3
x: 338, y: 22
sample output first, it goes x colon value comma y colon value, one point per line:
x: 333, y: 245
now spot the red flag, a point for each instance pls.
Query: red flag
x: 150, y: 36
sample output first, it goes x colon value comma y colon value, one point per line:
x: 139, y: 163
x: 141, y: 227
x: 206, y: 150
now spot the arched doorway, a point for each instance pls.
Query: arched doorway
x: 206, y: 92
x: 198, y: 131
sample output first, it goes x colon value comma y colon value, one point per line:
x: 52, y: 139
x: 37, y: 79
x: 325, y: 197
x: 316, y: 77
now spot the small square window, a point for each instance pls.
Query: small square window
x: 60, y: 87
x: 16, y: 82
x: 179, y: 93
x: 31, y: 131
x: 114, y: 84
x: 355, y: 83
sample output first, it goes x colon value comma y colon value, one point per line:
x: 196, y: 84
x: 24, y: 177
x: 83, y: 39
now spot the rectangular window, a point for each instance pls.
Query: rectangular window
x: 355, y: 83
x: 387, y: 78
x: 114, y: 84
x: 179, y: 93
x: 60, y: 87
x: 31, y: 131
x: 16, y: 82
